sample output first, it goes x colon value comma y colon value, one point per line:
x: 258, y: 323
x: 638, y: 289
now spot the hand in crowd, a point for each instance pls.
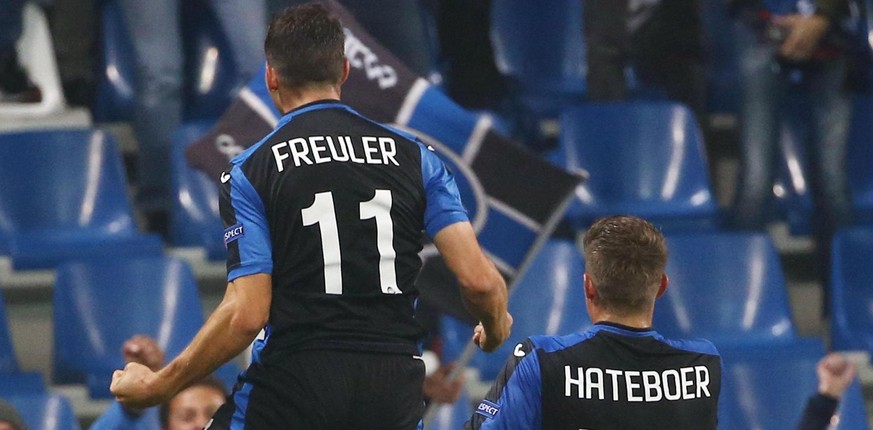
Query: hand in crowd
x: 439, y: 389
x: 835, y: 374
x: 805, y: 32
x: 143, y: 350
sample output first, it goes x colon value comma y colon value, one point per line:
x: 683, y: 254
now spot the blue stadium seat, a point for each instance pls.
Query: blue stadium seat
x: 21, y: 383
x: 210, y: 74
x: 723, y: 58
x: 45, y: 411
x: 792, y: 187
x: 549, y: 300
x: 726, y: 287
x: 98, y: 304
x: 64, y: 195
x: 116, y: 88
x: 766, y: 387
x: 860, y: 159
x: 8, y: 361
x: 851, y: 298
x: 541, y: 49
x: 194, y: 220
x: 644, y: 158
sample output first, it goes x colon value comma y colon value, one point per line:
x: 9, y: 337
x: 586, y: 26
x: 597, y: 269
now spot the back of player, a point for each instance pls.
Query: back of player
x: 608, y: 377
x: 620, y: 373
x: 335, y: 204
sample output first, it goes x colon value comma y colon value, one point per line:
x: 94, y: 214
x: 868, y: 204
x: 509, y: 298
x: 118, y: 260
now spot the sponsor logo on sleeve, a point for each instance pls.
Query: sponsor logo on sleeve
x: 488, y: 409
x: 233, y: 233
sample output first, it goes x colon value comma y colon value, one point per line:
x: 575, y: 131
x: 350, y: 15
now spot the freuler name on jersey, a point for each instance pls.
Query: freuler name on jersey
x: 324, y: 149
x: 592, y: 383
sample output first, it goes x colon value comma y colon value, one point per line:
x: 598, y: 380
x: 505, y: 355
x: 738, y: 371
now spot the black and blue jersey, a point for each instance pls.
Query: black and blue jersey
x: 607, y: 377
x: 333, y: 206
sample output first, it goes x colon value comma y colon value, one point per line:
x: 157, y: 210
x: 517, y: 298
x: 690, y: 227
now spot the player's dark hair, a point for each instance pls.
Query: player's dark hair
x: 625, y: 257
x: 209, y: 382
x: 305, y: 44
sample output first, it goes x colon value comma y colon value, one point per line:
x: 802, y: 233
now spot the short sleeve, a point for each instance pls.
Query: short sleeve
x: 246, y: 231
x: 513, y: 402
x: 444, y: 206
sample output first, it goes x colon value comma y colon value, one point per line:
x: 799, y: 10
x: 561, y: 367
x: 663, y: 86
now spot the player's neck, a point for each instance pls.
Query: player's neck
x: 635, y: 321
x: 289, y: 100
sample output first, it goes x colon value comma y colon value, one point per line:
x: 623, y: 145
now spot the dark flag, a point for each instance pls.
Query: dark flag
x: 514, y: 198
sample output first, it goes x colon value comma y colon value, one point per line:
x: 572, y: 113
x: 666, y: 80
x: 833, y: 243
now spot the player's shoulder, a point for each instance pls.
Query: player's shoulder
x: 553, y: 343
x: 695, y: 345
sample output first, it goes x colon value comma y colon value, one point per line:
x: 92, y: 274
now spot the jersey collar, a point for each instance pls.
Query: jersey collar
x: 316, y: 105
x: 623, y: 329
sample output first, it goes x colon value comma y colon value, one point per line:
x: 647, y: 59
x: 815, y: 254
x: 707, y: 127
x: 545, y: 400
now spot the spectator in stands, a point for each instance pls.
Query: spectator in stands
x: 10, y: 419
x: 792, y: 57
x: 155, y: 31
x: 835, y: 374
x: 661, y: 39
x: 620, y: 373
x: 15, y: 85
x: 191, y: 409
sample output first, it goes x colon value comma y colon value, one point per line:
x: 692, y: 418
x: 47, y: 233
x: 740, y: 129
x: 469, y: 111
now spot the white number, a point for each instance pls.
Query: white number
x: 379, y: 207
x: 322, y: 212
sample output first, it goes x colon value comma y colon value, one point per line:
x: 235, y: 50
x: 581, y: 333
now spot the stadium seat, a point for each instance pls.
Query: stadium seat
x: 860, y: 159
x: 98, y: 304
x: 725, y: 287
x: 541, y: 50
x: 851, y: 298
x: 766, y: 387
x: 792, y: 187
x: 116, y: 88
x: 8, y: 361
x: 548, y: 299
x: 210, y: 73
x: 644, y: 158
x: 45, y: 411
x: 64, y: 195
x: 21, y: 383
x: 194, y: 220
x: 723, y: 58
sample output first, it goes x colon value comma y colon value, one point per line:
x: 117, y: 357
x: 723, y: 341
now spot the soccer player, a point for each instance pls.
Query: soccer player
x: 620, y: 373
x: 324, y: 221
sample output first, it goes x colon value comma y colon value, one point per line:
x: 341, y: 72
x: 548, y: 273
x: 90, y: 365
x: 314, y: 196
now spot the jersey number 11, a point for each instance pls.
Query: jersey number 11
x: 322, y: 212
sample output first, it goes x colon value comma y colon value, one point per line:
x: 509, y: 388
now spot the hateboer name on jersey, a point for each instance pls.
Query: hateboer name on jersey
x: 593, y: 383
x: 323, y: 149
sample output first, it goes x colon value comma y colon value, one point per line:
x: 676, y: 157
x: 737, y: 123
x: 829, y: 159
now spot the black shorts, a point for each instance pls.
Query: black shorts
x: 326, y: 390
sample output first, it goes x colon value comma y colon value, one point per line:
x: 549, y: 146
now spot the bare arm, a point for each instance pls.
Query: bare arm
x: 482, y: 287
x: 229, y: 330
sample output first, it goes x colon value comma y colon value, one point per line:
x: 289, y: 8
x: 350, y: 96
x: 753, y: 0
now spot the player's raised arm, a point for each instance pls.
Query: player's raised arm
x: 482, y: 286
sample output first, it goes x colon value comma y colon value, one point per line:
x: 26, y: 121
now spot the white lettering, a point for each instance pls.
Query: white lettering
x: 590, y: 374
x: 351, y: 148
x: 279, y: 157
x: 652, y: 385
x: 370, y: 150
x: 702, y: 374
x: 388, y: 150
x: 687, y: 382
x: 333, y: 149
x: 614, y: 374
x: 684, y: 383
x: 301, y: 154
x: 666, y: 384
x: 569, y: 381
x: 318, y: 149
x: 628, y: 374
